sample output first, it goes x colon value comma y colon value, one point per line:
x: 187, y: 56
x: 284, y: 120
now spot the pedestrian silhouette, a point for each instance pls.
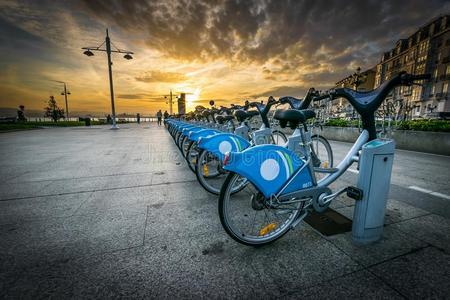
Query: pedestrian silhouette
x: 138, y: 118
x: 159, y: 116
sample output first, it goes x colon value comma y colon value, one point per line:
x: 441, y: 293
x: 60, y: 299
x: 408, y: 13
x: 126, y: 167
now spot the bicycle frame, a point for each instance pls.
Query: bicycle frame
x: 305, y: 190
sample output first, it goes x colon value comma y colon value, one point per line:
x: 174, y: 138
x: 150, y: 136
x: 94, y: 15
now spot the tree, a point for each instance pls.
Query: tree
x: 53, y: 111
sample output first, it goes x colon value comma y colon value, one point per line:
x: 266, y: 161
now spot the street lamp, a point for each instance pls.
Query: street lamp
x: 127, y: 56
x: 64, y: 93
x: 170, y: 101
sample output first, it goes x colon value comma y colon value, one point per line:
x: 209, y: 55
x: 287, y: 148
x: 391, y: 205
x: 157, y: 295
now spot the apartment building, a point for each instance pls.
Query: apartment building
x: 427, y: 51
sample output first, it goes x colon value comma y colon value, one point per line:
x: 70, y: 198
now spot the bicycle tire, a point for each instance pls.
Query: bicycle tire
x: 223, y: 198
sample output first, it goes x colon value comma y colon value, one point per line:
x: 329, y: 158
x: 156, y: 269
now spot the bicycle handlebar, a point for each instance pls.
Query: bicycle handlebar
x: 321, y: 97
x: 410, y: 78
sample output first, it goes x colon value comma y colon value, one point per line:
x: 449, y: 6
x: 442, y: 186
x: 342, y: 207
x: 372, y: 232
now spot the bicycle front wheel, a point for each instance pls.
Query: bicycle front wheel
x: 210, y: 173
x: 250, y: 218
x: 323, y: 151
x: 279, y: 138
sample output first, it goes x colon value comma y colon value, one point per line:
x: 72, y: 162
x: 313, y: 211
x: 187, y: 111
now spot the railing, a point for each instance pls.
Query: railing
x: 75, y: 119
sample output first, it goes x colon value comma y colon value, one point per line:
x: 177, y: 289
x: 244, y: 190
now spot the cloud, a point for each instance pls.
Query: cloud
x: 141, y: 96
x: 297, y: 42
x: 279, y: 91
x: 159, y: 76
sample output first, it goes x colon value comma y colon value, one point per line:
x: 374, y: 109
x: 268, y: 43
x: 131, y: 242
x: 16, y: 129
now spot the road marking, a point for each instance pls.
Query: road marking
x: 436, y: 194
x: 353, y: 171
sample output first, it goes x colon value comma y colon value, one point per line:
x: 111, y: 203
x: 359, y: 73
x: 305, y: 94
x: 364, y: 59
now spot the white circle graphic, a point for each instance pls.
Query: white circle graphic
x: 269, y: 169
x: 224, y: 147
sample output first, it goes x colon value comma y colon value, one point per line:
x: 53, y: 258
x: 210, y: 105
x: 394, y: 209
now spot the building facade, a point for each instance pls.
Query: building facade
x: 360, y: 81
x: 427, y: 51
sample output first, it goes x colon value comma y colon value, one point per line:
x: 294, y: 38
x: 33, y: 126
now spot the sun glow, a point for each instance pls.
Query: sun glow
x: 192, y: 98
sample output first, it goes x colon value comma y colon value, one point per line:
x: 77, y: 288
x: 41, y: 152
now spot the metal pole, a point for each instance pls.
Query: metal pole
x: 170, y: 106
x: 108, y: 52
x: 65, y: 97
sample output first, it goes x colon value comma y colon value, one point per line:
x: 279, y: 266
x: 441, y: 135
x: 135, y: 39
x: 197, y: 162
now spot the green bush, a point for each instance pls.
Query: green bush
x: 418, y: 125
x: 425, y: 125
x: 338, y: 123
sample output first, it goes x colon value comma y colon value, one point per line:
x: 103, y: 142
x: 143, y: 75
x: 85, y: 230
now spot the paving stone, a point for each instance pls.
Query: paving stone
x: 151, y: 231
x: 358, y: 285
x: 396, y: 211
x: 200, y: 266
x: 76, y: 235
x: 19, y: 190
x: 393, y: 243
x: 432, y: 229
x: 301, y: 259
x: 21, y: 210
x: 422, y: 274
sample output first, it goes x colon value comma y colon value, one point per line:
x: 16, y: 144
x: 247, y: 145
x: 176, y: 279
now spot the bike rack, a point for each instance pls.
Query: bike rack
x: 375, y: 168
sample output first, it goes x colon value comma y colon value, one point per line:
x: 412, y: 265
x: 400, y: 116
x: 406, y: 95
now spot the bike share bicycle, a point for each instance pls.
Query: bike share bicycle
x: 208, y: 168
x: 281, y: 185
x: 213, y: 148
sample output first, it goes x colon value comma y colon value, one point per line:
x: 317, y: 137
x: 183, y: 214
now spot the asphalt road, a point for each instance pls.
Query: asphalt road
x: 419, y: 179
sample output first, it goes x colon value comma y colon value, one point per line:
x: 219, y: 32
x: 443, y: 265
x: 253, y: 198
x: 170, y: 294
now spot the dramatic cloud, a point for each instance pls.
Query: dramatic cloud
x: 302, y: 31
x: 227, y: 49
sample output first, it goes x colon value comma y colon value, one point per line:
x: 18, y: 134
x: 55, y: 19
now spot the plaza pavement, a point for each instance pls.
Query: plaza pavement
x: 96, y: 213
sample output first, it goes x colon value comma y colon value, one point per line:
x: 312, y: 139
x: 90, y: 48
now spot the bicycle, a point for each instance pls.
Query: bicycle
x: 208, y: 167
x: 281, y: 185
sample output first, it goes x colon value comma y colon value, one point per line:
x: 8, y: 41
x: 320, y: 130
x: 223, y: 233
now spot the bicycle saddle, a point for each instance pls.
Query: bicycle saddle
x: 293, y: 116
x: 242, y: 115
x: 293, y: 102
x: 227, y: 118
x: 219, y: 120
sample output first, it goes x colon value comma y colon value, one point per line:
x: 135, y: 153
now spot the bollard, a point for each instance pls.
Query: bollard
x: 375, y: 167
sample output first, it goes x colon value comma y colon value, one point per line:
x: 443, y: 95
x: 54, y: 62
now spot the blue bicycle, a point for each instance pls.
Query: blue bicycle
x: 281, y: 183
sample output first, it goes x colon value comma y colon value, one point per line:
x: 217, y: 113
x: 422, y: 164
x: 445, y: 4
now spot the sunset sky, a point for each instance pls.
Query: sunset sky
x: 222, y: 50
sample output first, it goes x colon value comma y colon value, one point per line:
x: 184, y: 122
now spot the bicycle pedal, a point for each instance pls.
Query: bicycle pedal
x: 354, y: 193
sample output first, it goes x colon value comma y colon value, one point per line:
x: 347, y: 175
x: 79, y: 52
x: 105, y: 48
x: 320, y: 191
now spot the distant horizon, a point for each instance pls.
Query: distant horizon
x: 34, y: 113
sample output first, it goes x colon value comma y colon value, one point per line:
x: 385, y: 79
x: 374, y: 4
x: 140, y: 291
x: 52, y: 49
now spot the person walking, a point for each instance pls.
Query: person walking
x: 138, y: 118
x: 159, y: 116
x: 166, y: 114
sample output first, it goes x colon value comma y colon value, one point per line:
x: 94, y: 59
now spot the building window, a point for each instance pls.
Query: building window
x: 445, y: 88
x: 435, y: 73
x: 447, y: 70
x: 433, y: 89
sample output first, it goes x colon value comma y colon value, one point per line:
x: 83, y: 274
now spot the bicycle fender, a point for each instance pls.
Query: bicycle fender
x: 222, y: 143
x: 186, y: 131
x: 194, y: 136
x: 269, y: 167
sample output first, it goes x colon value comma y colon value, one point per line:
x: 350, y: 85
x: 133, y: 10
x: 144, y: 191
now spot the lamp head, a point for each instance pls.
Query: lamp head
x: 88, y: 53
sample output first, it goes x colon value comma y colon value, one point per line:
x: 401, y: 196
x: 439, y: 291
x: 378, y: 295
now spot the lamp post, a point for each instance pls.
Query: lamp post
x: 65, y: 93
x: 170, y: 101
x: 108, y: 51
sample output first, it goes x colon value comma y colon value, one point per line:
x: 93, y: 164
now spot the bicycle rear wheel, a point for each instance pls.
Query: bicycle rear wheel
x: 250, y: 218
